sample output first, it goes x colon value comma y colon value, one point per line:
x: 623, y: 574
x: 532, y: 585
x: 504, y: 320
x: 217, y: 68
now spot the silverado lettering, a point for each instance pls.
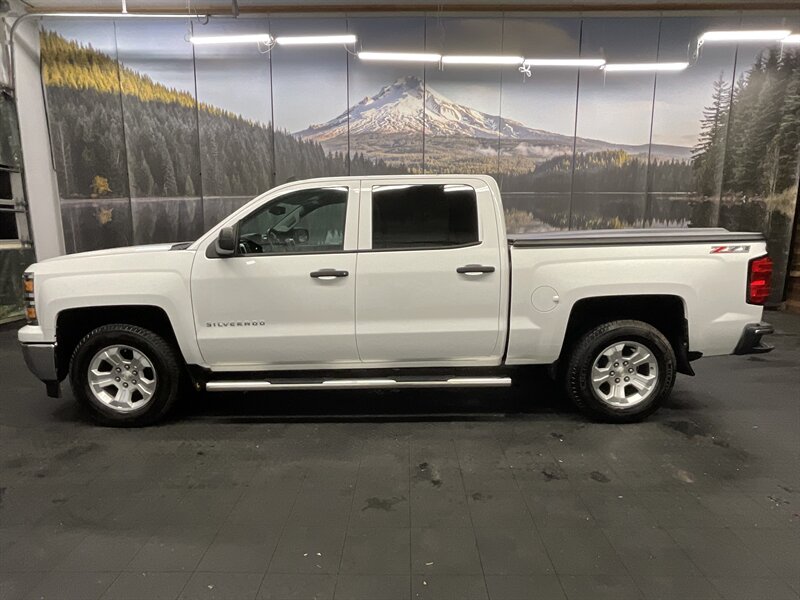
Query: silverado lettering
x: 235, y: 323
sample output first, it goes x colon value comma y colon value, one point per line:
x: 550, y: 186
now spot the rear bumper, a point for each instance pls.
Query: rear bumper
x: 750, y: 342
x: 41, y: 360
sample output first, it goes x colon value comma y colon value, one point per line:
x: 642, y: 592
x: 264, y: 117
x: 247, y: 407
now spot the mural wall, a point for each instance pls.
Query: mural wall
x: 155, y: 139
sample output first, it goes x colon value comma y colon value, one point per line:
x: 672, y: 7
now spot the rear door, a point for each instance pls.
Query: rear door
x: 429, y: 283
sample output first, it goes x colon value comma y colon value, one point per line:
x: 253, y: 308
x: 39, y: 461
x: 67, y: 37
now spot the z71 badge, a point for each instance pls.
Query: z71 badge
x: 729, y: 249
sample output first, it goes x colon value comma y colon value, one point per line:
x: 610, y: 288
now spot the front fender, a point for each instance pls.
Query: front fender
x: 159, y: 280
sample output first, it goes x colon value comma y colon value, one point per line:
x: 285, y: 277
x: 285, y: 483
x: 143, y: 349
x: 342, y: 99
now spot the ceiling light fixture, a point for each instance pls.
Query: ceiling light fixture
x: 791, y: 39
x: 481, y: 60
x: 314, y: 40
x: 675, y: 66
x: 745, y: 35
x: 400, y: 56
x: 564, y: 62
x: 119, y: 15
x: 245, y: 38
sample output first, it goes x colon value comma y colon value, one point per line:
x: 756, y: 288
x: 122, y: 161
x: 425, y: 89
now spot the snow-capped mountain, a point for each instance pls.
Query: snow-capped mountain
x: 398, y: 108
x: 402, y: 109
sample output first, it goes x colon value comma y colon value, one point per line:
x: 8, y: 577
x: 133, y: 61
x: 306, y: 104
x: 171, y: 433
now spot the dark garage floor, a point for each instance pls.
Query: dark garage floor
x: 466, y: 495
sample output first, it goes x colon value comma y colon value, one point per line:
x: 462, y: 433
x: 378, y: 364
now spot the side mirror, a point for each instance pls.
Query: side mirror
x: 226, y: 242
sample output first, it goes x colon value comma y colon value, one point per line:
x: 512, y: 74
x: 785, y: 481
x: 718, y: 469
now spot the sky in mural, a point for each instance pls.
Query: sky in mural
x: 190, y: 140
x: 612, y: 107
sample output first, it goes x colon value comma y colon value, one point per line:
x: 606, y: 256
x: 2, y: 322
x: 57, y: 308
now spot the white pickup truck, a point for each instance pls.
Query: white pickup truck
x: 392, y: 282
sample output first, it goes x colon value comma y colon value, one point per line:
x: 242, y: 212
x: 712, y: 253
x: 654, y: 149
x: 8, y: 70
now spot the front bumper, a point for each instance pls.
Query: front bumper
x: 750, y: 342
x: 41, y: 360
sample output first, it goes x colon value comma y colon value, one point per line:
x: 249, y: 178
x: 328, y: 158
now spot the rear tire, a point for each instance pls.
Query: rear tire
x: 125, y: 376
x: 620, y: 372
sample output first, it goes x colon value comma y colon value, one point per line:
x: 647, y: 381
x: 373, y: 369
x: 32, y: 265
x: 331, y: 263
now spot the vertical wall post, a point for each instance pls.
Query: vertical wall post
x: 40, y: 177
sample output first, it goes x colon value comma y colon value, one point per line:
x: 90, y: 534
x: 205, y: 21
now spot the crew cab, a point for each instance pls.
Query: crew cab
x: 392, y: 282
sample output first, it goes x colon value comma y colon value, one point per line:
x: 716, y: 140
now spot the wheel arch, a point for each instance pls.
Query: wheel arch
x: 665, y: 312
x: 73, y: 324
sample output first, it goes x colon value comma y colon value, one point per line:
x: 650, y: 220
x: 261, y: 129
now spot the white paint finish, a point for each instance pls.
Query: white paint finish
x: 420, y: 364
x: 40, y: 178
x: 405, y: 309
x: 33, y: 334
x: 109, y: 252
x: 411, y: 305
x: 144, y: 275
x: 544, y: 298
x: 712, y: 288
x: 308, y: 321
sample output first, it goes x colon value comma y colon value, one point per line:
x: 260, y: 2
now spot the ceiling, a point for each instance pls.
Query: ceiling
x: 367, y: 5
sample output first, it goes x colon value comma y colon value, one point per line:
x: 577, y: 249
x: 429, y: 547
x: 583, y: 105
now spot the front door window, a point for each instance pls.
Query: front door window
x: 303, y: 222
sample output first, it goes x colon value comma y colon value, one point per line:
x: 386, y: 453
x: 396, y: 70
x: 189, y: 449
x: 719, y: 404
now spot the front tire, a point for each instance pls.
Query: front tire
x: 620, y: 372
x: 125, y: 375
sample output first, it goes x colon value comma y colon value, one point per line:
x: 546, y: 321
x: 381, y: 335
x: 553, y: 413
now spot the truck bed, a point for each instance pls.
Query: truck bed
x: 633, y: 237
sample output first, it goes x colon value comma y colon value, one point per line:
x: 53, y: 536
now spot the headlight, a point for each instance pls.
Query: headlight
x: 30, y: 300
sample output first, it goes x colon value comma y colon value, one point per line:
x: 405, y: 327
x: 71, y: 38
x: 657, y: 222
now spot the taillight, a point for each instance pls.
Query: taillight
x: 759, y: 279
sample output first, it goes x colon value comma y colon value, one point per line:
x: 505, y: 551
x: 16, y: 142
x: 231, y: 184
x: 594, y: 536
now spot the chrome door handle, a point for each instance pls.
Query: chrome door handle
x: 328, y: 274
x: 473, y: 269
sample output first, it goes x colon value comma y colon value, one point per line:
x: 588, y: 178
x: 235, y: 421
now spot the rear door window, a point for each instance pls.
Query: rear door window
x: 408, y: 217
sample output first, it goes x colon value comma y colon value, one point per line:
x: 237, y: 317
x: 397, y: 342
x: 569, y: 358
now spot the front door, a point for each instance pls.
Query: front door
x: 286, y: 298
x: 429, y: 281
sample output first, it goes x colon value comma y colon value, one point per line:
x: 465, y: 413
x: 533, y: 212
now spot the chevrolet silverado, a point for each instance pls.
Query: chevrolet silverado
x: 392, y: 282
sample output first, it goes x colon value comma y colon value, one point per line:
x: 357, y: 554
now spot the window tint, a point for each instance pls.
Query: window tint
x: 305, y: 221
x: 423, y: 216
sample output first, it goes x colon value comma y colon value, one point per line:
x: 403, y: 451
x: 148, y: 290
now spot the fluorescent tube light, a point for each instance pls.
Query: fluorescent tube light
x: 245, y: 38
x: 564, y: 62
x: 791, y: 39
x: 481, y: 60
x: 400, y: 56
x: 314, y: 40
x: 676, y: 66
x: 109, y: 15
x: 752, y: 35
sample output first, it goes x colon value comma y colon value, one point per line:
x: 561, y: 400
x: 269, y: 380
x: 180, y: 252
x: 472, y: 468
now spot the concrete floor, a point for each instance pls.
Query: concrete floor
x: 458, y: 495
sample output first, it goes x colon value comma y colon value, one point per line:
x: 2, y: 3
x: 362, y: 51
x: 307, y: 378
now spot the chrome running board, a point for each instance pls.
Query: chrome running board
x: 352, y: 384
